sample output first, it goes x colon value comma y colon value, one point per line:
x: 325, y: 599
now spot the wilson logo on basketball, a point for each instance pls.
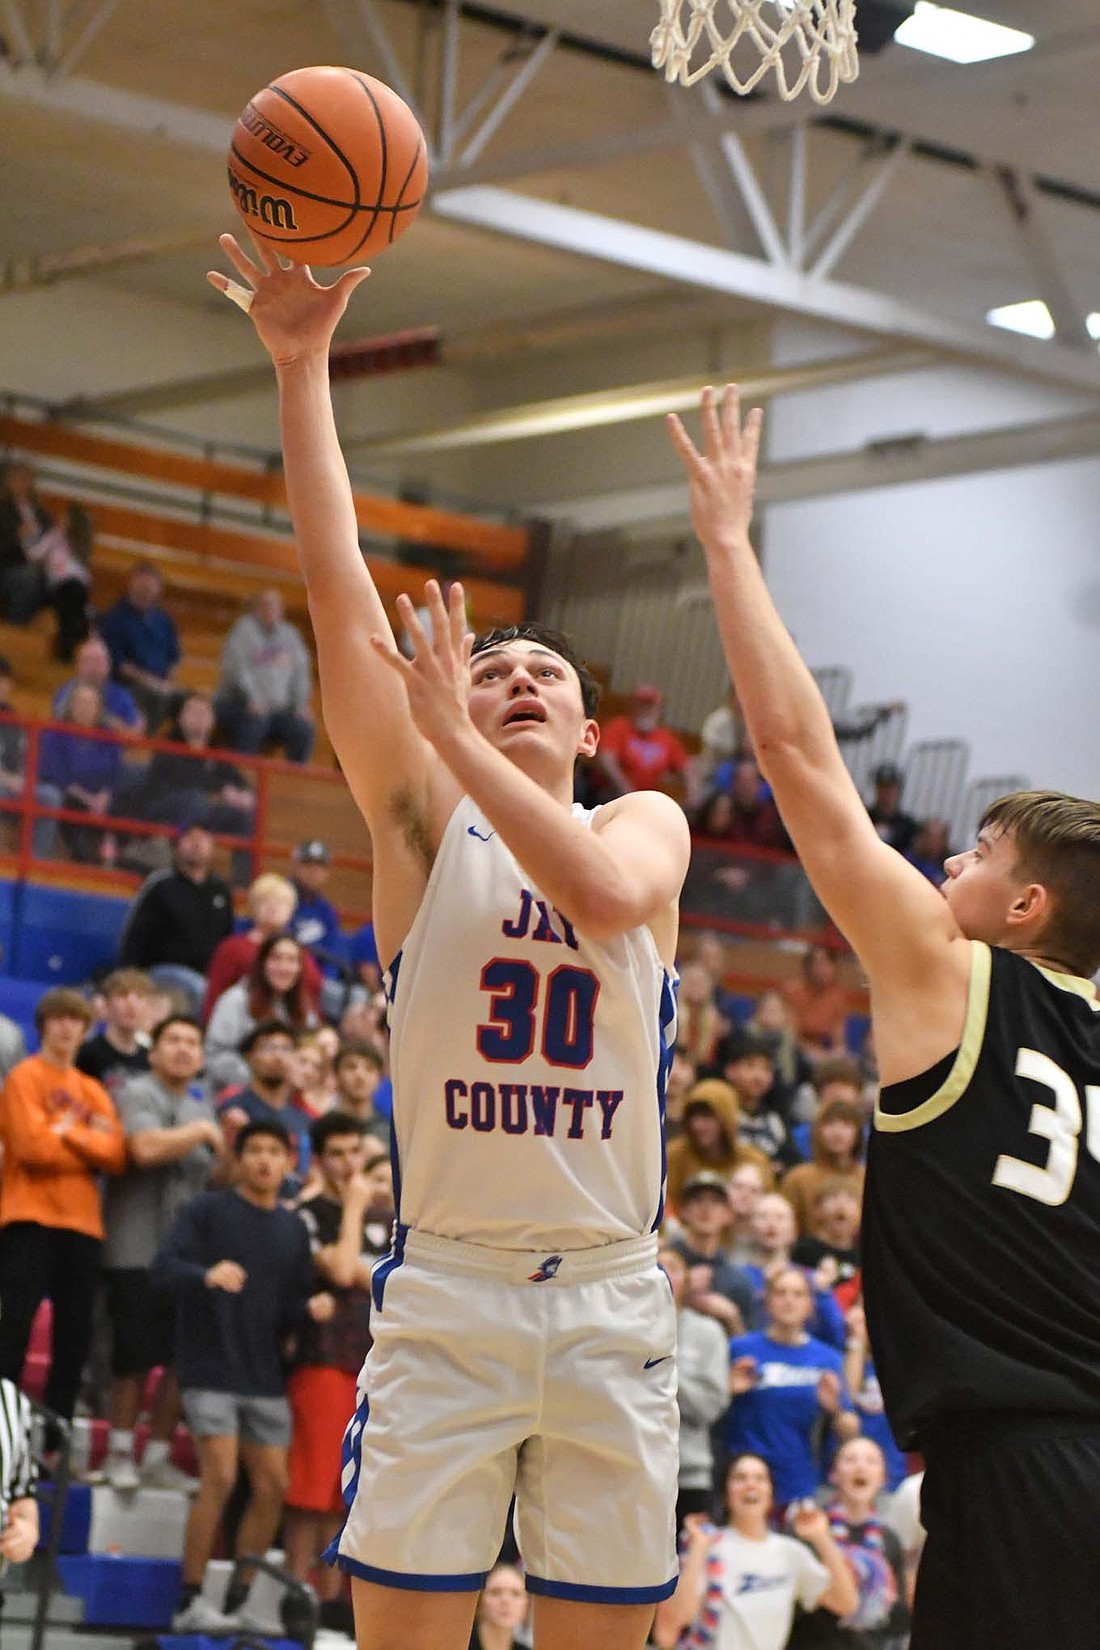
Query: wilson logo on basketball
x: 270, y: 209
x: 271, y: 137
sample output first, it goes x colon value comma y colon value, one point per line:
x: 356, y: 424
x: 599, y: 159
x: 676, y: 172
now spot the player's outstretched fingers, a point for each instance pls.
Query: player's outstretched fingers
x: 731, y: 417
x: 712, y: 427
x: 683, y: 443
x: 238, y: 257
x: 410, y: 622
x: 456, y: 617
x: 437, y: 612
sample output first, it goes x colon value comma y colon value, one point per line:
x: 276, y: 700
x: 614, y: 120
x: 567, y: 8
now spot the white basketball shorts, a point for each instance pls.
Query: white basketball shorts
x: 500, y: 1372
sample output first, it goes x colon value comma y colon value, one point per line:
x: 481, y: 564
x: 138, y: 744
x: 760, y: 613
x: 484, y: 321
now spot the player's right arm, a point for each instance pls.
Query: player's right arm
x: 365, y: 707
x: 899, y: 925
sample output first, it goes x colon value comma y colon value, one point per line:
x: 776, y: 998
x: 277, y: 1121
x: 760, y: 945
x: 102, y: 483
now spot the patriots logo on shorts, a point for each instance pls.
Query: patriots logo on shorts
x: 548, y: 1269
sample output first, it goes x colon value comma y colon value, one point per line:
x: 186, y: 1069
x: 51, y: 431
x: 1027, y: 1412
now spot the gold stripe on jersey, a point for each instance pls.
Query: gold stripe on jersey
x: 955, y: 1083
x: 1074, y: 983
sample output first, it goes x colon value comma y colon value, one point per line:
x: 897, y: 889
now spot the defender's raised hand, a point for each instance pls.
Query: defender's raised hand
x: 293, y: 313
x: 437, y: 677
x: 721, y: 478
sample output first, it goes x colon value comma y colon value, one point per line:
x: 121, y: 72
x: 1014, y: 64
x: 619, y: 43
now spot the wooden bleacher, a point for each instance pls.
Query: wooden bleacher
x: 172, y: 507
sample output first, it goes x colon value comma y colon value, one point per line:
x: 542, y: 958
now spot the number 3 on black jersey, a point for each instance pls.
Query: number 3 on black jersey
x: 1060, y: 1122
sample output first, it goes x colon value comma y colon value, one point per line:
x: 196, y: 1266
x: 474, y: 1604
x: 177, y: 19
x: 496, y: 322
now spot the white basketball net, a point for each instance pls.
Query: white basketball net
x: 810, y: 44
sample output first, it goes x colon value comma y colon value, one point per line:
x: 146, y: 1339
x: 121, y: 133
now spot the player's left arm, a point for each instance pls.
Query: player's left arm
x: 897, y: 922
x: 625, y: 871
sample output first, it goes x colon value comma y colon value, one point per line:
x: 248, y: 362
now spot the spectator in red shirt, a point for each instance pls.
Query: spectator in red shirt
x: 272, y: 901
x: 637, y: 752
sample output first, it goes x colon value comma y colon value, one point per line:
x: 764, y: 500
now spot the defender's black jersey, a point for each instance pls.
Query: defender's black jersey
x: 981, y: 1224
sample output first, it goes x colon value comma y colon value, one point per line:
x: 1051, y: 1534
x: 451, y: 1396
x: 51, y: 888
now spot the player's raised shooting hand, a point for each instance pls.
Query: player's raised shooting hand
x: 721, y: 478
x: 437, y: 677
x: 294, y: 314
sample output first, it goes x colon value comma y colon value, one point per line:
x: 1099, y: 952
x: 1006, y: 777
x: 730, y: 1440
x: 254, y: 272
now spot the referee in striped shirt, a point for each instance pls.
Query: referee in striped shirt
x: 18, y: 1476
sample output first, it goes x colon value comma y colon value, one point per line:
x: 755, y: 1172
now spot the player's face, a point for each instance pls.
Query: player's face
x: 859, y: 1469
x: 982, y: 885
x: 749, y: 1487
x: 526, y: 700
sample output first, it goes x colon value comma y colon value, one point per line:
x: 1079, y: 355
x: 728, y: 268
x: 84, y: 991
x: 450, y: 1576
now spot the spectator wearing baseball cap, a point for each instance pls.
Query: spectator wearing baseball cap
x: 889, y: 818
x: 715, y: 1285
x: 637, y: 752
x: 316, y: 922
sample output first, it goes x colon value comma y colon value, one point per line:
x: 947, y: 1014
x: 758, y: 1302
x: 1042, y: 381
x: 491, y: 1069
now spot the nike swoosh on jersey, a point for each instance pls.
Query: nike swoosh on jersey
x: 472, y: 830
x: 651, y: 1363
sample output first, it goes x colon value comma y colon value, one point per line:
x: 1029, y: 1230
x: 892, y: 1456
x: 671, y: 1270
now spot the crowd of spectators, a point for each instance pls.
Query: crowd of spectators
x: 206, y: 1143
x: 198, y: 1145
x: 126, y: 658
x: 204, y: 1139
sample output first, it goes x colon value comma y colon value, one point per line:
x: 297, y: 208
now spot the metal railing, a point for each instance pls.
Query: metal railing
x: 132, y: 834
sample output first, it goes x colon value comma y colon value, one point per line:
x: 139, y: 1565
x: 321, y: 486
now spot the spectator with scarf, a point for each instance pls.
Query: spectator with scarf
x: 739, y: 1585
x: 880, y: 1620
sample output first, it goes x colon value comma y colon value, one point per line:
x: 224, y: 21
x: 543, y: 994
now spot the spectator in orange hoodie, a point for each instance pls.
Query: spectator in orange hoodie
x: 59, y: 1133
x: 710, y: 1138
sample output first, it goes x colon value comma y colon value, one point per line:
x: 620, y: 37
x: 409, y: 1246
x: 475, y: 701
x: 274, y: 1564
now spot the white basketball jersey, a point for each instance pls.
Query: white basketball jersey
x: 529, y: 1062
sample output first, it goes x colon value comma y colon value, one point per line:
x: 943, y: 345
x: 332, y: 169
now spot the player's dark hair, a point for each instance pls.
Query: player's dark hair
x: 1057, y: 842
x: 333, y: 1125
x: 556, y: 642
x: 268, y: 1128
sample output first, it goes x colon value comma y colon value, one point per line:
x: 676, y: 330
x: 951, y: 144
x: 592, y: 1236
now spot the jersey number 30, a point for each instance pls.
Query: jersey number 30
x: 568, y: 1013
x: 1060, y: 1123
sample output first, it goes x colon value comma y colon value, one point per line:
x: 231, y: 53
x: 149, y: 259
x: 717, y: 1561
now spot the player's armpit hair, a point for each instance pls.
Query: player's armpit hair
x: 1057, y: 840
x: 413, y: 826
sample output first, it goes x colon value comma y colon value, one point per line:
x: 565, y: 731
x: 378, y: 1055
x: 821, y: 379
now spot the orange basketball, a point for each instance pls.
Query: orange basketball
x: 327, y: 166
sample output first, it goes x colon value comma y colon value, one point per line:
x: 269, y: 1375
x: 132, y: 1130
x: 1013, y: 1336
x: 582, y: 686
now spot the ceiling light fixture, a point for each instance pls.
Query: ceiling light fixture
x: 1034, y: 320
x: 958, y: 36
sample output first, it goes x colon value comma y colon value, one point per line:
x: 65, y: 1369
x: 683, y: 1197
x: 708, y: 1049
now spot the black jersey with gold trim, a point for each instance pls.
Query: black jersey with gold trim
x: 981, y: 1225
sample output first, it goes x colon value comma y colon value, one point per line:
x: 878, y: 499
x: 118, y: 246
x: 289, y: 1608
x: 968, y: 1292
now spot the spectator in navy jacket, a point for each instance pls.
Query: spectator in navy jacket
x: 144, y: 644
x: 240, y: 1267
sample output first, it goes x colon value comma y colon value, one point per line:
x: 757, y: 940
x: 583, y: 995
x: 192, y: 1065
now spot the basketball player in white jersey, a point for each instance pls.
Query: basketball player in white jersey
x: 524, y: 1336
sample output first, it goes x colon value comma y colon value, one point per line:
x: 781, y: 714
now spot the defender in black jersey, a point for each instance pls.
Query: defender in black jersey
x: 981, y: 1234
